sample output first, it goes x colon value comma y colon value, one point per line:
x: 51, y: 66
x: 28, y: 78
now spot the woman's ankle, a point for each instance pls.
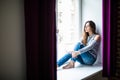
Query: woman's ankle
x: 72, y: 62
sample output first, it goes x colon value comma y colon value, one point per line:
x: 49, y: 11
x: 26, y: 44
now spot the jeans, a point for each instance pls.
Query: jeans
x: 83, y: 58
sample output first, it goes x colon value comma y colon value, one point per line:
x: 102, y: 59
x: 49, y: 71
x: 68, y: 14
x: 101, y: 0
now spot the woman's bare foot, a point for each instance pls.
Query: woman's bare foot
x: 69, y: 65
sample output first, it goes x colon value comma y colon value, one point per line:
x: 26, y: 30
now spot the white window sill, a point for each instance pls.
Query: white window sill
x: 80, y: 72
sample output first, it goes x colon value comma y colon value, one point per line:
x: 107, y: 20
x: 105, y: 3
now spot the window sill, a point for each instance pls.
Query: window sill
x: 80, y: 72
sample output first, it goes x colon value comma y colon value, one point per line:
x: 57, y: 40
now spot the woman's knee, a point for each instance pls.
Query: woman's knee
x: 78, y: 46
x: 68, y: 54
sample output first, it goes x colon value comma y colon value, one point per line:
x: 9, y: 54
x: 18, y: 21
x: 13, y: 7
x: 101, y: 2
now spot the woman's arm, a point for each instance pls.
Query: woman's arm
x: 91, y: 45
x: 86, y: 48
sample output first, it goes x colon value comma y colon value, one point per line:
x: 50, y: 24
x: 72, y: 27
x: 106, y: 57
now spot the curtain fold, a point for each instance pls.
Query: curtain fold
x: 32, y: 38
x: 109, y: 44
x: 48, y: 39
x: 106, y: 37
x: 40, y: 35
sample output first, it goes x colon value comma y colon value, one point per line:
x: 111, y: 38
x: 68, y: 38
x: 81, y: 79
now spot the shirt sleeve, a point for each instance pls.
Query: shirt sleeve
x: 88, y: 47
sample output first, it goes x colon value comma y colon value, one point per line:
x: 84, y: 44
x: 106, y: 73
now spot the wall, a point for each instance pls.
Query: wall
x: 92, y: 10
x: 12, y: 40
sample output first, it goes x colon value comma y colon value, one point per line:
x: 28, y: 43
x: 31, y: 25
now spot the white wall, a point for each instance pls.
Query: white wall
x: 12, y: 40
x: 92, y: 10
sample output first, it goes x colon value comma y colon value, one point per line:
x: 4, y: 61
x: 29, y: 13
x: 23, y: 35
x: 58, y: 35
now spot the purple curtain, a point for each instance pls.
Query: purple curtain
x: 106, y: 37
x: 48, y: 39
x: 109, y: 44
x: 40, y: 29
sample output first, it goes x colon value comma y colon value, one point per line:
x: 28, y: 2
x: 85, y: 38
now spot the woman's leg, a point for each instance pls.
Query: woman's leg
x: 65, y: 58
x: 78, y: 58
x: 84, y: 58
x: 87, y: 58
x: 78, y: 46
x: 73, y: 60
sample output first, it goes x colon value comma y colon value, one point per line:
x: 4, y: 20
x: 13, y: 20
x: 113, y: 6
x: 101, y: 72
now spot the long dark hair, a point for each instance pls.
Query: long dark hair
x: 92, y: 25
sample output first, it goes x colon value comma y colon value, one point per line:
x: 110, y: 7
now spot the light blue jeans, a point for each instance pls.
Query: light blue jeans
x: 83, y: 58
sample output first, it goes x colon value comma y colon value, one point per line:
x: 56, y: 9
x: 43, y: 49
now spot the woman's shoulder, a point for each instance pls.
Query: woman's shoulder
x: 97, y: 37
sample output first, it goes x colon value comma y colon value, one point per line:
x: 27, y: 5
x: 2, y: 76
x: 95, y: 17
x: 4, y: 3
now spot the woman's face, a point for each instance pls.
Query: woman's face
x: 88, y: 28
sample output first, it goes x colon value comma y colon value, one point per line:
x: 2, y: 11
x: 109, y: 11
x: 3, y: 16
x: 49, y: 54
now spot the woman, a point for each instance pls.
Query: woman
x: 85, y: 52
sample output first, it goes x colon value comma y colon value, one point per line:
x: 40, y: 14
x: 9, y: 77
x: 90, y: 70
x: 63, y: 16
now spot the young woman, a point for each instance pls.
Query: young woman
x: 85, y: 52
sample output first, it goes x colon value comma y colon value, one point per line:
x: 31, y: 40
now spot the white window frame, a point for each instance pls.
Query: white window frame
x: 76, y: 32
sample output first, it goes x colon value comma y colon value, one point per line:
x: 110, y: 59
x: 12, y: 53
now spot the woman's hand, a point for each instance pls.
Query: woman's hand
x: 75, y: 54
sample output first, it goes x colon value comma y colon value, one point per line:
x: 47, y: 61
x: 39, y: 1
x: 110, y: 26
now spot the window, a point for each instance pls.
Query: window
x: 71, y: 16
x: 68, y: 25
